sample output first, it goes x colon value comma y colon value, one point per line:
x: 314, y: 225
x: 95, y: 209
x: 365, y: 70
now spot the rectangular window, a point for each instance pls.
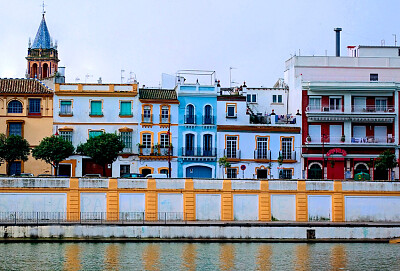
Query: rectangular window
x: 96, y: 108
x: 66, y: 108
x: 66, y: 135
x: 165, y: 114
x: 34, y: 106
x: 124, y: 169
x: 146, y: 141
x: 274, y: 98
x: 126, y: 138
x: 285, y: 174
x: 287, y: 148
x: 126, y: 108
x: 373, y: 77
x: 231, y: 111
x: 147, y: 114
x: 15, y: 128
x: 95, y: 133
x: 251, y: 98
x: 231, y: 173
x: 335, y: 104
x: 164, y: 140
x: 381, y: 104
x: 279, y: 98
x: 314, y: 104
x: 262, y: 148
x: 231, y: 147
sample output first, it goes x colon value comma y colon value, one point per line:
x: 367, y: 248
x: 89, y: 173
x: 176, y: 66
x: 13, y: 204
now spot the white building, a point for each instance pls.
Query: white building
x: 85, y: 110
x: 256, y: 146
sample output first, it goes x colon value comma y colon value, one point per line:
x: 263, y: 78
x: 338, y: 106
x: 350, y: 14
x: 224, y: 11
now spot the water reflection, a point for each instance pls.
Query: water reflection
x: 338, y: 257
x: 189, y: 256
x: 72, y: 257
x: 198, y: 256
x: 264, y: 254
x: 151, y: 257
x: 111, y: 258
x: 227, y: 256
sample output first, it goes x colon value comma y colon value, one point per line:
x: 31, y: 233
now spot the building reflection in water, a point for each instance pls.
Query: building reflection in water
x: 227, y: 257
x: 302, y: 257
x: 264, y: 254
x: 338, y: 257
x: 189, y: 256
x: 112, y: 254
x: 151, y: 257
x: 72, y: 260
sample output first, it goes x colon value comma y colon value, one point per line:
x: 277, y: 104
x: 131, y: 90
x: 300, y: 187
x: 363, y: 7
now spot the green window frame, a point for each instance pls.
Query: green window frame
x: 96, y: 108
x: 125, y: 108
x: 95, y: 133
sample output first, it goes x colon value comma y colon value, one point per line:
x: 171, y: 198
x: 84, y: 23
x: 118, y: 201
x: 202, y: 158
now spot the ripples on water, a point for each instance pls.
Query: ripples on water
x: 198, y: 256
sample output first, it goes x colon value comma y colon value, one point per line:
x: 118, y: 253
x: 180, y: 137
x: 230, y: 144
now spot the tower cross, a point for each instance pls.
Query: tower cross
x: 43, y: 6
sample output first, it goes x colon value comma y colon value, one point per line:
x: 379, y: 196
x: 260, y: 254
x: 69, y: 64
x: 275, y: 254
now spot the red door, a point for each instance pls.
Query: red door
x: 335, y: 170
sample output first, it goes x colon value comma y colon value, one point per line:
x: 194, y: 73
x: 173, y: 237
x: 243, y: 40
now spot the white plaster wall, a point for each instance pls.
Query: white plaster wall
x: 264, y: 103
x: 170, y: 183
x: 241, y: 119
x: 132, y: 206
x: 319, y: 207
x: 282, y: 185
x: 372, y: 208
x: 283, y: 207
x: 207, y: 184
x: 245, y: 207
x: 208, y: 207
x: 170, y: 206
x: 247, y: 146
x: 93, y: 202
x: 33, y: 202
x: 166, y: 232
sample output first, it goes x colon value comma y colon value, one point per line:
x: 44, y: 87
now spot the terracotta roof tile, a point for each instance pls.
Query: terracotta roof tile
x: 23, y: 86
x: 157, y: 94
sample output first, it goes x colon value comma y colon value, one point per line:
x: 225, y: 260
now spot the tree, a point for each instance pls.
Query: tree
x: 103, y: 149
x: 223, y: 163
x: 53, y: 150
x: 13, y: 148
x: 386, y: 161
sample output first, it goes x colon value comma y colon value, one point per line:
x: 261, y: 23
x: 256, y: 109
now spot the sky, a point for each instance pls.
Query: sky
x: 98, y: 38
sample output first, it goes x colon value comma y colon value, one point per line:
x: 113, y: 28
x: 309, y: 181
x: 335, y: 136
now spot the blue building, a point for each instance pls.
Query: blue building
x: 197, y: 154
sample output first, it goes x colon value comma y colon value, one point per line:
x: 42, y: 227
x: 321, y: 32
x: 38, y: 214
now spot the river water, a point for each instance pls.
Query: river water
x: 199, y: 256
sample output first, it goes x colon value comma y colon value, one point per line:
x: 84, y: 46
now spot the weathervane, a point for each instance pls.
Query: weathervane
x: 44, y: 11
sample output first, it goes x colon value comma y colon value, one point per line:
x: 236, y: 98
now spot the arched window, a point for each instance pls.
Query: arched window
x: 189, y: 117
x: 189, y: 145
x: 315, y: 172
x: 45, y: 70
x: 146, y: 171
x: 207, y: 145
x: 208, y: 117
x: 361, y: 167
x: 14, y: 107
x: 34, y: 71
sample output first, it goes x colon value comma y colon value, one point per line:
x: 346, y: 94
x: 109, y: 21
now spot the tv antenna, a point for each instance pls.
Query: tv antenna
x: 395, y: 39
x: 87, y: 77
x: 230, y: 76
x: 43, y: 8
x: 122, y: 75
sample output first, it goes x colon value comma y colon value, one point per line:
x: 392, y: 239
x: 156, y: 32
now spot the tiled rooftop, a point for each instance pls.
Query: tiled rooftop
x: 23, y: 86
x: 42, y: 39
x: 157, y: 94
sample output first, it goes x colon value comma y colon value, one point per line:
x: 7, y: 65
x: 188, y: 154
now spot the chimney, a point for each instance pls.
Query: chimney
x: 337, y: 30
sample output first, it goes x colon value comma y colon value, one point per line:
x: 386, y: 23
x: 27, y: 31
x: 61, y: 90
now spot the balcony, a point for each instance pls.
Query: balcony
x: 232, y: 153
x: 190, y: 119
x: 147, y: 118
x: 199, y: 152
x: 260, y: 119
x: 156, y: 151
x: 318, y: 109
x: 352, y: 141
x: 288, y: 156
x: 262, y: 154
x: 380, y: 109
x: 208, y: 120
x: 373, y: 140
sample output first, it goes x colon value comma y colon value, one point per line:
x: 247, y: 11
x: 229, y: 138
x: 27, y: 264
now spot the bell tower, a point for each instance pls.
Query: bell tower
x: 42, y: 54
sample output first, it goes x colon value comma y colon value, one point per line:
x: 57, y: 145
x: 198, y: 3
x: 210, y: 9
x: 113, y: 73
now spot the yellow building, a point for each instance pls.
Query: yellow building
x: 26, y: 109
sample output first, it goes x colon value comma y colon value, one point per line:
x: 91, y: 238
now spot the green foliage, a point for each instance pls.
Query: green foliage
x: 386, y: 160
x: 280, y: 160
x: 53, y: 150
x: 223, y: 162
x: 103, y: 149
x: 13, y: 148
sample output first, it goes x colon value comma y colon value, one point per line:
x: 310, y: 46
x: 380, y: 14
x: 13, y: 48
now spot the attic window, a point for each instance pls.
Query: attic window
x: 373, y: 77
